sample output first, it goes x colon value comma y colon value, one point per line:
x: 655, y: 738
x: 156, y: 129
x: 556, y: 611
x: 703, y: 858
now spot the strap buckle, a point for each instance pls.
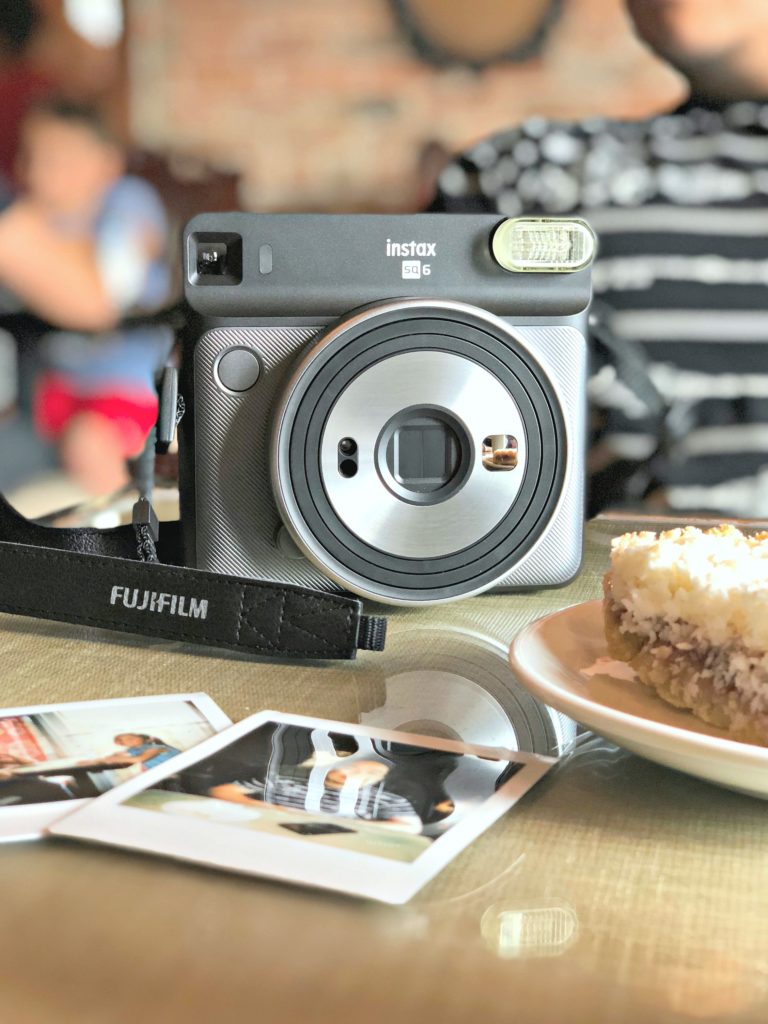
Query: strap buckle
x: 145, y: 517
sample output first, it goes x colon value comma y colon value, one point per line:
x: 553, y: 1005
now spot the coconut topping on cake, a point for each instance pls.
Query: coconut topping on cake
x: 714, y: 583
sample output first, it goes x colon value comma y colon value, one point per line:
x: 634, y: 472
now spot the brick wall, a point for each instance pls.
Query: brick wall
x: 322, y: 104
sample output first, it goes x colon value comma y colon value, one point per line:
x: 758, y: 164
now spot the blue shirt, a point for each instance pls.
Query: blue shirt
x: 123, y: 361
x: 166, y: 753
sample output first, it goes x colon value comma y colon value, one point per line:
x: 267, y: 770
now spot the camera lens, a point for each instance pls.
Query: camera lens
x: 424, y: 455
x: 347, y: 446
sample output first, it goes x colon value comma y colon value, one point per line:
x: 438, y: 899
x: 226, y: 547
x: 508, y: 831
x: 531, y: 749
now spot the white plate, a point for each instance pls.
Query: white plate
x: 548, y: 657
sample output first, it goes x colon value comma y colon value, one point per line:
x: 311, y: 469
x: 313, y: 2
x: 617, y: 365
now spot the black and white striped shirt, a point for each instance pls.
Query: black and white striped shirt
x: 370, y: 803
x: 680, y: 205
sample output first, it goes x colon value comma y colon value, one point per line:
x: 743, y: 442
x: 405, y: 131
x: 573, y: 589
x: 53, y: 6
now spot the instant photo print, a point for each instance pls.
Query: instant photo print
x: 56, y: 757
x: 359, y: 810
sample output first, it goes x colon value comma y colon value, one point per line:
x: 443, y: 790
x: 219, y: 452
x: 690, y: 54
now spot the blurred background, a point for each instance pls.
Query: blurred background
x: 275, y: 105
x: 332, y: 105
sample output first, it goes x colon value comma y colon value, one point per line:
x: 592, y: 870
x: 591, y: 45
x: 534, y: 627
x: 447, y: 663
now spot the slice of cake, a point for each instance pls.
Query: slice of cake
x: 688, y: 610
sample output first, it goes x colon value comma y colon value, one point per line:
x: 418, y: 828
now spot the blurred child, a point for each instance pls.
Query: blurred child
x: 83, y: 247
x: 147, y: 751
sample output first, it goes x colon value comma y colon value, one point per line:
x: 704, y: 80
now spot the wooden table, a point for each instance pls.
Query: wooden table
x: 617, y: 891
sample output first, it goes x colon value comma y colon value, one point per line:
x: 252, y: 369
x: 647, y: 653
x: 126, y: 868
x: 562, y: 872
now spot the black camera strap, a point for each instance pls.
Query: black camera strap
x: 92, y: 577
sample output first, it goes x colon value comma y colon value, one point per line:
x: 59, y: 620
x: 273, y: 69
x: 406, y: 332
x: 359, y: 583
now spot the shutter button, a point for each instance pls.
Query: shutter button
x: 238, y: 369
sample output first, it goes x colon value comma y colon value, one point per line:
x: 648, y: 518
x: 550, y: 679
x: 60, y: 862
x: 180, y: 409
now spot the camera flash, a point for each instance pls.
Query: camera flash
x: 544, y: 245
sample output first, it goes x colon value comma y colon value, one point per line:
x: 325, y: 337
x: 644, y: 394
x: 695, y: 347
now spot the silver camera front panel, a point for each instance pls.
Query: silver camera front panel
x: 238, y: 528
x: 556, y: 557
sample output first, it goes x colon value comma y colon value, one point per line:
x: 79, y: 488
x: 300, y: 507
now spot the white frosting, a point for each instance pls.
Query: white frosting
x: 716, y: 580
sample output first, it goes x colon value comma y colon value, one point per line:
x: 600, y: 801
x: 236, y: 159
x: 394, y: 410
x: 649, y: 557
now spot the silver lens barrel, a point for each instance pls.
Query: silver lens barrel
x: 389, y: 503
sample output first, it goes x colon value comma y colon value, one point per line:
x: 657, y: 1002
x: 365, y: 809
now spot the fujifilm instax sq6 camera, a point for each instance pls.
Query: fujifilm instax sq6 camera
x: 390, y: 405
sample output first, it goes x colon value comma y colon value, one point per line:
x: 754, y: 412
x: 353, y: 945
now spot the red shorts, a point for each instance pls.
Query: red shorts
x: 133, y: 415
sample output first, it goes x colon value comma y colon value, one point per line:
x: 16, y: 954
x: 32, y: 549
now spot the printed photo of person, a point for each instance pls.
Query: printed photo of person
x: 141, y: 749
x: 78, y: 751
x: 348, y: 807
x: 356, y: 792
x: 287, y: 767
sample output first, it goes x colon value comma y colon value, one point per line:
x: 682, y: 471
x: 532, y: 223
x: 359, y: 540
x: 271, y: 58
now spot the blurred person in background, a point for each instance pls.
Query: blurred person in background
x: 83, y: 247
x: 680, y: 203
x: 22, y: 83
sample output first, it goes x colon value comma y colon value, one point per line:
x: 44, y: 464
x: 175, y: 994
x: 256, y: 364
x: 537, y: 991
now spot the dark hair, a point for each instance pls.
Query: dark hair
x: 79, y: 114
x: 18, y: 21
x: 343, y: 744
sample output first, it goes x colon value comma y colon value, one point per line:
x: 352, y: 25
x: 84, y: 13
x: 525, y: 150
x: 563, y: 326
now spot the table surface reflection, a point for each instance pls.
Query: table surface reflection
x: 616, y: 891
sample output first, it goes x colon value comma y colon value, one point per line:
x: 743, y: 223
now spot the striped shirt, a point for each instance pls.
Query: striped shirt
x: 370, y: 803
x: 680, y: 205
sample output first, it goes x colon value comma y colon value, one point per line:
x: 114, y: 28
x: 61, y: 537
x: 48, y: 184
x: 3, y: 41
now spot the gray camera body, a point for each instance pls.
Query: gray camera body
x: 379, y: 406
